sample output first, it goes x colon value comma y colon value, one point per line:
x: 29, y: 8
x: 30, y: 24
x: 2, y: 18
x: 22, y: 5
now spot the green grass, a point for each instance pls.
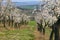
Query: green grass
x: 48, y: 31
x: 22, y: 34
x: 32, y: 23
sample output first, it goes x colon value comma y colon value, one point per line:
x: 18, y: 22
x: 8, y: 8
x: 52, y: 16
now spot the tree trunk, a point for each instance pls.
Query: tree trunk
x: 9, y: 21
x: 56, y: 33
x: 40, y: 28
x: 59, y: 33
x: 52, y: 32
x: 4, y: 22
x: 43, y: 31
x: 12, y: 21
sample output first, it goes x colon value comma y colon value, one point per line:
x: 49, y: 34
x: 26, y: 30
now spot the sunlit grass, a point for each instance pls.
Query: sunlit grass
x: 32, y: 23
x: 22, y: 34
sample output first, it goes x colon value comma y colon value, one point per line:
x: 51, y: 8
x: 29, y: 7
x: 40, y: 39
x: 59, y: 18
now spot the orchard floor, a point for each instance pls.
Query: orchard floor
x: 25, y: 32
x: 40, y: 36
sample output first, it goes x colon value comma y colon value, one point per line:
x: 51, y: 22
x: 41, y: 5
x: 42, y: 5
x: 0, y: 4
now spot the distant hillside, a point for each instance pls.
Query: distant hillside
x: 28, y: 5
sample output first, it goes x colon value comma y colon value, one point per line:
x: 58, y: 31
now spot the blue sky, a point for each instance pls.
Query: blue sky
x: 24, y: 0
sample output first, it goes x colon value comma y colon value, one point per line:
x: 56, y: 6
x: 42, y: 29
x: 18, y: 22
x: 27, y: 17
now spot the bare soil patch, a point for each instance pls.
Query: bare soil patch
x: 40, y: 36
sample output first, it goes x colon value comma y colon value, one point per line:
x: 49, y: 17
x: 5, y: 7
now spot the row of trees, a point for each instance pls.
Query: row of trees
x: 49, y: 15
x: 11, y: 15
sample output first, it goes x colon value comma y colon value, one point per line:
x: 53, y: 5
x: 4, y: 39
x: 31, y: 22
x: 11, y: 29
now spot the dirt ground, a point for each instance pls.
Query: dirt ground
x: 40, y: 36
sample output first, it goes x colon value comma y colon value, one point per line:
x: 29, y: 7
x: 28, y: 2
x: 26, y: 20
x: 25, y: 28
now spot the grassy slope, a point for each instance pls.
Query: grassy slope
x: 16, y: 35
x: 23, y: 34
